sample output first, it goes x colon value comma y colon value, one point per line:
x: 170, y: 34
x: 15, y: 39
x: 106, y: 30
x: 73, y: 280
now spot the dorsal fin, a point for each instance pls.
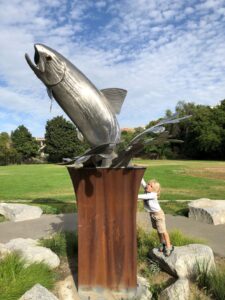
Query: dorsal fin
x: 115, y: 97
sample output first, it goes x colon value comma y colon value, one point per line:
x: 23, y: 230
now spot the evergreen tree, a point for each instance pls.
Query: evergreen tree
x: 8, y: 155
x: 61, y: 140
x: 24, y: 143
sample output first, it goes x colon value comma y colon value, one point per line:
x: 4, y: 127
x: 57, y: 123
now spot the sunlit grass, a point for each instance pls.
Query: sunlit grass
x: 212, y: 280
x: 180, y: 180
x: 16, y: 278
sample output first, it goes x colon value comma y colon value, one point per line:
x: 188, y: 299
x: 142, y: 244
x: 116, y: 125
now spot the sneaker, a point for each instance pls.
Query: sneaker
x: 162, y: 247
x: 169, y: 250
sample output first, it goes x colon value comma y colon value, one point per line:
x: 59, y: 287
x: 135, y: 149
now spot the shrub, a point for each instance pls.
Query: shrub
x: 47, y: 209
x: 62, y: 243
x: 179, y: 239
x: 212, y: 280
x: 16, y: 278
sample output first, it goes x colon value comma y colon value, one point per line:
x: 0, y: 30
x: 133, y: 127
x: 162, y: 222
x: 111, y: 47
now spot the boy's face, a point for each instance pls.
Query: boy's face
x: 149, y: 187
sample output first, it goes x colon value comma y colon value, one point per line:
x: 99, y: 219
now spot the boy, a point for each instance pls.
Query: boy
x: 151, y: 204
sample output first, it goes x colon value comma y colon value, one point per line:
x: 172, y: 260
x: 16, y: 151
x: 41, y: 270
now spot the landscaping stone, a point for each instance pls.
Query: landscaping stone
x: 207, y: 211
x: 38, y: 292
x: 66, y: 289
x: 4, y: 251
x: 20, y: 212
x: 30, y: 251
x: 177, y: 291
x: 184, y: 260
x: 143, y: 286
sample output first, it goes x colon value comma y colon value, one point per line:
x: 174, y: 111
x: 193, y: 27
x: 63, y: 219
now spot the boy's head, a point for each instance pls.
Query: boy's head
x: 153, y: 186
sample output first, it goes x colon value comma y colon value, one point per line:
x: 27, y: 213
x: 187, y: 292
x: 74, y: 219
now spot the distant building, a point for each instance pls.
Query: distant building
x: 126, y: 129
x: 131, y: 130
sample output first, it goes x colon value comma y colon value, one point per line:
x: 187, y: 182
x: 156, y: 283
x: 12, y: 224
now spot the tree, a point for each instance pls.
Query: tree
x: 61, y: 140
x: 203, y: 134
x: 24, y: 143
x: 8, y: 155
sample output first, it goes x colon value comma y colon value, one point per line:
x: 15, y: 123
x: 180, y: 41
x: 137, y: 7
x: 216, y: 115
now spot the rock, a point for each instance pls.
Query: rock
x: 38, y: 292
x: 20, y: 212
x: 177, y: 291
x: 207, y: 211
x: 30, y: 251
x: 66, y: 289
x: 184, y: 260
x: 4, y: 251
x: 143, y: 292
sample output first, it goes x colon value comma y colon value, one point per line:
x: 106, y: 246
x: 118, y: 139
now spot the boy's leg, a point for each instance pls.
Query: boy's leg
x: 167, y: 239
x: 161, y: 237
x: 169, y: 248
x: 162, y: 242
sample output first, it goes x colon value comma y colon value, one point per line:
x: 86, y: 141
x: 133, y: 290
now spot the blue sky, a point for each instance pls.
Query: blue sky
x: 161, y: 51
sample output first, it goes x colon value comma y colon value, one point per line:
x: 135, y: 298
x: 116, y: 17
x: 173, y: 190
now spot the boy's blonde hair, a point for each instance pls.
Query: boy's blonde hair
x: 155, y: 186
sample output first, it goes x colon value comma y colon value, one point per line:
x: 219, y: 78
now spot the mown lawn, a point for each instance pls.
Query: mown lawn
x: 179, y: 179
x: 187, y: 180
x: 35, y: 182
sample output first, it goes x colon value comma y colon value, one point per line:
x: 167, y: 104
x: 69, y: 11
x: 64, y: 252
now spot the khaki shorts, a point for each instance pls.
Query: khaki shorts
x: 158, y: 221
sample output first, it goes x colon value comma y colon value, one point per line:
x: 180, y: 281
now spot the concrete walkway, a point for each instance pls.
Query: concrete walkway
x: 48, y: 224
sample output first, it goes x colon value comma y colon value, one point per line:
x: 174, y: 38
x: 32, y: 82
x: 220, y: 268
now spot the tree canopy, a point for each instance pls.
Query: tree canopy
x: 8, y: 155
x: 203, y: 137
x: 61, y: 140
x: 24, y: 143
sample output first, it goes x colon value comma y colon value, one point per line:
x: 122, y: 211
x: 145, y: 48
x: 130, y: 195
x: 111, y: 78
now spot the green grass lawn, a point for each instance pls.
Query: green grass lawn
x: 187, y: 180
x: 35, y: 182
x: 51, y: 183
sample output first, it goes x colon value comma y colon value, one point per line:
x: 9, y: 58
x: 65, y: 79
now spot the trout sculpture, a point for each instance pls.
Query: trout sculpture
x: 92, y: 111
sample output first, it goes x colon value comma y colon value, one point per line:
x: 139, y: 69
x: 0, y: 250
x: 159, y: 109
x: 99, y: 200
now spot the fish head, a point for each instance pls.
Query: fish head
x: 49, y: 65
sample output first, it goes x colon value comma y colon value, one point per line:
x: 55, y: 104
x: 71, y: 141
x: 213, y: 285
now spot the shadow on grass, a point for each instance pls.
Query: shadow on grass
x: 175, y: 208
x: 55, y: 206
x: 183, y: 212
x: 66, y: 242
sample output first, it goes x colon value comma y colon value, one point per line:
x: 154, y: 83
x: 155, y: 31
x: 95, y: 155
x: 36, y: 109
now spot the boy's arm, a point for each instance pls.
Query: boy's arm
x: 146, y: 196
x: 143, y: 183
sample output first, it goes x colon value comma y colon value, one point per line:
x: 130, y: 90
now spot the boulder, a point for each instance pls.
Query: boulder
x: 143, y: 292
x: 66, y: 289
x: 185, y: 260
x: 4, y: 251
x: 207, y: 211
x: 20, y: 212
x: 176, y: 291
x: 30, y: 251
x: 38, y: 292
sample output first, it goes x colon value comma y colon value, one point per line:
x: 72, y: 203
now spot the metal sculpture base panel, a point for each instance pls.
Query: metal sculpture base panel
x: 107, y: 250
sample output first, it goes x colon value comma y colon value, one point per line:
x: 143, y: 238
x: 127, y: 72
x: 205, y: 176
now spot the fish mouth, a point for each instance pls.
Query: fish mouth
x: 39, y: 66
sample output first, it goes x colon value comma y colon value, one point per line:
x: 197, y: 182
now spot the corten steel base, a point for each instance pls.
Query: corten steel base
x: 107, y: 251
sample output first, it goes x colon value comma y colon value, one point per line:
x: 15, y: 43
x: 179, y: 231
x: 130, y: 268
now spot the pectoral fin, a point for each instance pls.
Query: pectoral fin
x: 115, y: 98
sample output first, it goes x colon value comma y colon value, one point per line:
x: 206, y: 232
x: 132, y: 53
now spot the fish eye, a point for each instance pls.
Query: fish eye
x: 48, y: 58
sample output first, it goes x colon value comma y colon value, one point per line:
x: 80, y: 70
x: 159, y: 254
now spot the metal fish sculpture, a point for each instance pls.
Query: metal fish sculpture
x: 138, y: 143
x: 91, y: 110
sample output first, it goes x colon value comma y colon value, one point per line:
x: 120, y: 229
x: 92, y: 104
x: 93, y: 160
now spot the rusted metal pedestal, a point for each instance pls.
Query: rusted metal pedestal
x: 107, y: 202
